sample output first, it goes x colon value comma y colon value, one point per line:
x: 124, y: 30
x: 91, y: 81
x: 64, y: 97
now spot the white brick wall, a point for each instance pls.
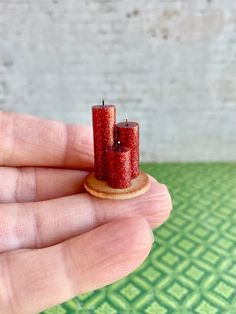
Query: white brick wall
x: 169, y: 64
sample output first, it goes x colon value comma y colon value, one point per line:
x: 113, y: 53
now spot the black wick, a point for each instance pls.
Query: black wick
x: 127, y: 122
x: 103, y: 102
x: 117, y: 145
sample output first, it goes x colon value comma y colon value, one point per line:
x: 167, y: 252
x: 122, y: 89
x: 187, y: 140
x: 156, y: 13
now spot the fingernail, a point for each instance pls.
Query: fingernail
x: 153, y: 237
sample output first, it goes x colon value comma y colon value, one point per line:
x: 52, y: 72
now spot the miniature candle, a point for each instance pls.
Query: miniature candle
x: 118, y: 167
x: 104, y: 119
x: 128, y: 135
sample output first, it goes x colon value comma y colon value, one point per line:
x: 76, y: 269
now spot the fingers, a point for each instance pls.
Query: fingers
x: 53, y: 275
x: 30, y: 184
x: 37, y: 225
x: 31, y: 141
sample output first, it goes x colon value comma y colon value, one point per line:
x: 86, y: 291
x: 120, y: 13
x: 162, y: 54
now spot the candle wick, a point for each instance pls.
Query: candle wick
x: 127, y: 121
x: 103, y: 102
x: 117, y: 145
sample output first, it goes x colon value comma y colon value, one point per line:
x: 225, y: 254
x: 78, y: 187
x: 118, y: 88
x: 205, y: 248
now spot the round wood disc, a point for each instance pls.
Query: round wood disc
x: 101, y: 189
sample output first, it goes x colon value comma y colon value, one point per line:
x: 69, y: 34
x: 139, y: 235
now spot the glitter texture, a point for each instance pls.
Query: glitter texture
x: 104, y: 119
x: 118, y: 167
x: 128, y: 135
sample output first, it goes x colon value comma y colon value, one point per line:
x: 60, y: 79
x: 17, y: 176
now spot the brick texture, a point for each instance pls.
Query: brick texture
x: 171, y: 65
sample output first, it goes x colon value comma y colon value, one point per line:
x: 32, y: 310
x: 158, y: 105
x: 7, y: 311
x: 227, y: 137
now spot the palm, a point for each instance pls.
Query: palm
x: 55, y: 240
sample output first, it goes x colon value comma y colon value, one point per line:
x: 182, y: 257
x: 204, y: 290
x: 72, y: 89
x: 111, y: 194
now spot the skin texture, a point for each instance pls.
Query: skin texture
x: 56, y: 241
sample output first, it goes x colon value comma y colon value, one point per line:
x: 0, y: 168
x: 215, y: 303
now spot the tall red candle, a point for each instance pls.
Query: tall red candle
x: 128, y: 135
x: 104, y: 119
x: 118, y: 167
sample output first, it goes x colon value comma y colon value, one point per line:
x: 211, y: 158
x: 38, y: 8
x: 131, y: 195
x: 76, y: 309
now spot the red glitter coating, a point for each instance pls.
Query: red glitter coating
x: 128, y: 135
x: 104, y: 119
x: 118, y: 167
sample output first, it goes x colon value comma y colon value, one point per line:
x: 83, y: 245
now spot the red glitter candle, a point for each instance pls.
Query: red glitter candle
x: 104, y: 119
x: 128, y: 135
x: 118, y: 167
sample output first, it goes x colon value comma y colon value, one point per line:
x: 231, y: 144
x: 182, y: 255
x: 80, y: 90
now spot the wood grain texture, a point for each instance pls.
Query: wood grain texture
x: 169, y: 64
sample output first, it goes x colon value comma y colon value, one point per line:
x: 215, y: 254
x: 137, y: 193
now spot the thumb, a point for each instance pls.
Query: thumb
x: 46, y: 277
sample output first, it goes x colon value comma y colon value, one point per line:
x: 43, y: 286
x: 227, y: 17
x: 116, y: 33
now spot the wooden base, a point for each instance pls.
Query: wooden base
x: 100, y: 188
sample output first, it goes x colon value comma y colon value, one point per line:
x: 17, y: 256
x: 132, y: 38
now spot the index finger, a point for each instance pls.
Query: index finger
x: 31, y: 141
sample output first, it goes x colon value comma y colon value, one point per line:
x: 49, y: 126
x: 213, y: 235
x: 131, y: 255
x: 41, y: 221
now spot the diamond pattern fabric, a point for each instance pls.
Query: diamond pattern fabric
x: 192, y: 265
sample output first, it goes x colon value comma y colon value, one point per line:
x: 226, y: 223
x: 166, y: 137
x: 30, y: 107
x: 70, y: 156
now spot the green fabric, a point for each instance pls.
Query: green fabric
x: 191, y: 268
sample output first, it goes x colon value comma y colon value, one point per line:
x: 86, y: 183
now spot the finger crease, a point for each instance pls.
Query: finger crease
x: 99, y: 216
x: 69, y: 264
x: 66, y: 147
x: 37, y: 231
x: 7, y: 128
x: 10, y: 297
x: 18, y: 185
x: 35, y: 184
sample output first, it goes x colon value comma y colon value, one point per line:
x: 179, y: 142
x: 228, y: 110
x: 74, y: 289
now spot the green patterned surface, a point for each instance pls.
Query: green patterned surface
x: 191, y: 268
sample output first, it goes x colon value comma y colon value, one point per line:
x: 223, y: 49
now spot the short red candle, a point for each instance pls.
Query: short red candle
x: 104, y: 119
x: 128, y: 135
x: 118, y: 167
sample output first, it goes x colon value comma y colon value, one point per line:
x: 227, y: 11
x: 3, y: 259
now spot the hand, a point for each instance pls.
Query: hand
x: 56, y: 241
